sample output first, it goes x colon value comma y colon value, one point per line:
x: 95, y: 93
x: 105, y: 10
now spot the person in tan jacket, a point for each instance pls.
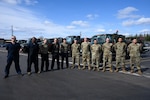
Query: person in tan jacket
x: 134, y: 52
x: 107, y: 55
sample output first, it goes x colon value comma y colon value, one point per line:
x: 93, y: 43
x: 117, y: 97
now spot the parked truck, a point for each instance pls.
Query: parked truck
x: 70, y: 40
x: 113, y: 39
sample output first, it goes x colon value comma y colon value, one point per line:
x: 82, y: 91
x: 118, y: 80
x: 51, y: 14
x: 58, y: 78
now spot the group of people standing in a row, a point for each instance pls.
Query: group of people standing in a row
x: 91, y: 55
x: 96, y: 51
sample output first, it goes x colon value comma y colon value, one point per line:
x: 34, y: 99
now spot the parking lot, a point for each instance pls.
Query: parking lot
x: 74, y: 84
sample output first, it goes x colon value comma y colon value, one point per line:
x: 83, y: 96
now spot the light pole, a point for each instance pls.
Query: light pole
x: 12, y: 30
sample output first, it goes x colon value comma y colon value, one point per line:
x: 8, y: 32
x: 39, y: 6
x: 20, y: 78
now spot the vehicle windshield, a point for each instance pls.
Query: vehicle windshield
x: 101, y: 38
x: 68, y: 39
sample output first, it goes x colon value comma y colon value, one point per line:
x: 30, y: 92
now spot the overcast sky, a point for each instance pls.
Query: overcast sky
x: 60, y: 18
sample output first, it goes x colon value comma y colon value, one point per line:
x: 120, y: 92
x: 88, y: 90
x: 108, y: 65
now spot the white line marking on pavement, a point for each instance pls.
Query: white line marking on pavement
x: 135, y: 74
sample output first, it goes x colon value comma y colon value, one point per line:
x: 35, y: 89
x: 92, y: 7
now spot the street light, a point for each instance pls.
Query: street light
x: 12, y: 30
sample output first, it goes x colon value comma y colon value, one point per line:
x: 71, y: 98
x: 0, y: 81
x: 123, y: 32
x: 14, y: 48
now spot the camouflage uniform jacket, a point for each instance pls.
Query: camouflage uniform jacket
x: 75, y: 48
x: 85, y: 46
x: 120, y: 48
x: 107, y: 48
x: 134, y: 49
x: 96, y: 49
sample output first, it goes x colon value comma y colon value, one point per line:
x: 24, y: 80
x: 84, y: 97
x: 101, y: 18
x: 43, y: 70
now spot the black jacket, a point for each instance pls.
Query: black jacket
x: 13, y: 50
x: 55, y: 48
x: 33, y: 49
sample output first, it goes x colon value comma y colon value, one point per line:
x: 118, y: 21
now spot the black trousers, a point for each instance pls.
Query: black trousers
x: 9, y: 62
x: 55, y: 56
x: 64, y: 55
x: 44, y: 59
x: 33, y: 59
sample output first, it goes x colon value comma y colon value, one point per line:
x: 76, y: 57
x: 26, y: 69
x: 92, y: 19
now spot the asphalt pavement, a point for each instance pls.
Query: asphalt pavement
x: 73, y: 84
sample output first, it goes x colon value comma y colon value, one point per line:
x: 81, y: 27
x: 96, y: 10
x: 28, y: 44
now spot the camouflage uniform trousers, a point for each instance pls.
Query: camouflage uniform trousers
x: 107, y: 57
x: 86, y: 59
x: 95, y: 60
x: 75, y: 58
x: 120, y: 60
x: 135, y: 60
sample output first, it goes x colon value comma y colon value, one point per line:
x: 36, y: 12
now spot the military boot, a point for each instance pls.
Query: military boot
x: 104, y: 69
x: 116, y: 70
x: 139, y: 72
x: 83, y: 67
x: 111, y: 69
x: 132, y: 71
x: 97, y: 69
x: 93, y: 68
x: 89, y: 67
x: 123, y: 69
x: 72, y: 67
x: 79, y: 67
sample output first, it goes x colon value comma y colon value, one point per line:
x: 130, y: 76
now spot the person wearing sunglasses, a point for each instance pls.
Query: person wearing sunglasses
x: 13, y: 49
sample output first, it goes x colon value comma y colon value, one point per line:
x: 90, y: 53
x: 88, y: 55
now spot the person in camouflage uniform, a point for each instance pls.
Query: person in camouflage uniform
x: 75, y: 48
x: 96, y: 52
x: 107, y: 54
x: 64, y: 47
x: 44, y: 55
x: 85, y: 46
x: 134, y: 52
x: 120, y: 48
